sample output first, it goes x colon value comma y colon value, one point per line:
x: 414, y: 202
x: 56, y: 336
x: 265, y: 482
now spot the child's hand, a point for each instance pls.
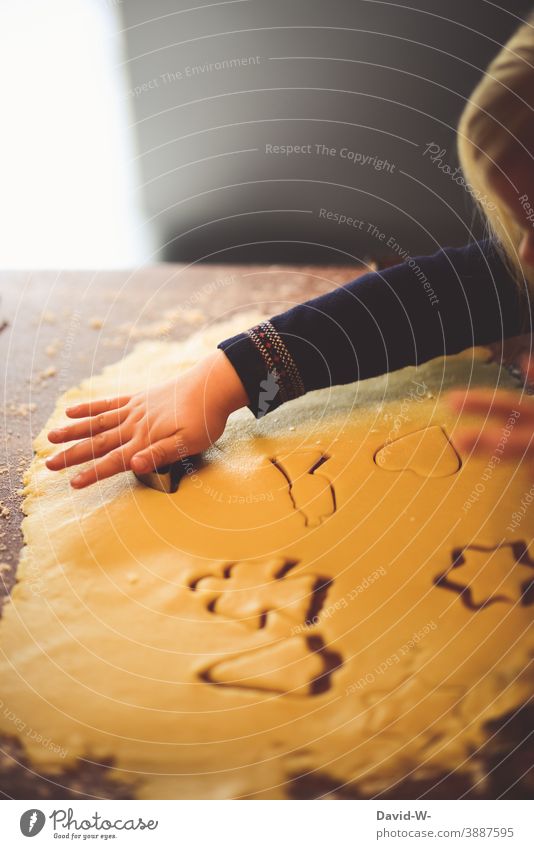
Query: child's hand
x: 160, y: 425
x: 508, y: 425
x: 513, y: 351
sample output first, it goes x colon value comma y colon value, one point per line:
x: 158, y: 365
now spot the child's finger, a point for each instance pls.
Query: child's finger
x: 86, y: 450
x: 491, y: 440
x: 89, y: 427
x: 526, y: 363
x: 484, y: 401
x: 158, y: 454
x: 93, y: 408
x: 115, y: 462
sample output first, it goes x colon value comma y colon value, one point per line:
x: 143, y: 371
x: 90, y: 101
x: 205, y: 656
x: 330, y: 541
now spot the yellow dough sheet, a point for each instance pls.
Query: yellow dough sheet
x: 336, y: 591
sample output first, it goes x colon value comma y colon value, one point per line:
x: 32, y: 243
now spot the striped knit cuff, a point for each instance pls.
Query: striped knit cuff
x: 277, y: 359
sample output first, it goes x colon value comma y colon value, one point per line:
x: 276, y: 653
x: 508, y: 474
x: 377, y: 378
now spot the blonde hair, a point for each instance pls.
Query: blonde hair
x: 496, y: 124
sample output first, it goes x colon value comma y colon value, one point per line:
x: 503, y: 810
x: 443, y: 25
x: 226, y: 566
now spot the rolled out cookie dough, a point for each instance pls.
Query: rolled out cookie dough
x: 295, y: 607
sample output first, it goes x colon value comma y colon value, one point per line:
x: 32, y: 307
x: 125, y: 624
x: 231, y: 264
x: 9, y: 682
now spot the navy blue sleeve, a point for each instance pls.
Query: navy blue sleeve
x: 383, y: 321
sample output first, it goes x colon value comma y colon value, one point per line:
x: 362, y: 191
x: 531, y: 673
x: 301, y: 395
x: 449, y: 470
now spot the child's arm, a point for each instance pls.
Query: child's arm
x: 426, y: 307
x: 412, y: 312
x: 147, y: 430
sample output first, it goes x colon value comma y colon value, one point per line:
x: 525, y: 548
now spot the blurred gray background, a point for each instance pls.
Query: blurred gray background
x: 211, y: 88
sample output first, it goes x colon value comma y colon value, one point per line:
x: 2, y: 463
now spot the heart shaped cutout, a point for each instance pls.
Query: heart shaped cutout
x: 427, y: 452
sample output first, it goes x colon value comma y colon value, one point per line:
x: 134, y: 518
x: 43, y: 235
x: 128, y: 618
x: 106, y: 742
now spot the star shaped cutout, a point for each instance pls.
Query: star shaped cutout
x: 484, y: 575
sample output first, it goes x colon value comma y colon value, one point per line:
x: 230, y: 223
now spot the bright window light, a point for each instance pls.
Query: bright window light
x: 68, y: 185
